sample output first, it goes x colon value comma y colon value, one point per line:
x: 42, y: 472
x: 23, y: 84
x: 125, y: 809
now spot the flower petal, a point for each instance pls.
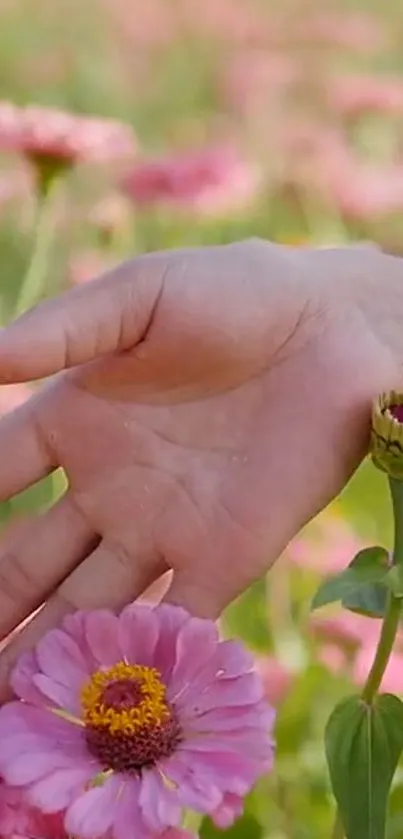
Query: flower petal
x: 102, y: 628
x: 196, y: 643
x: 23, y: 769
x: 65, y: 697
x: 92, y: 814
x: 230, y: 660
x: 228, y: 771
x: 194, y: 787
x: 22, y: 676
x: 55, y: 792
x: 60, y: 658
x: 171, y: 619
x: 246, y: 690
x: 160, y: 808
x: 230, y: 809
x: 74, y: 625
x: 128, y: 823
x: 260, y: 716
x: 138, y: 634
x: 249, y: 742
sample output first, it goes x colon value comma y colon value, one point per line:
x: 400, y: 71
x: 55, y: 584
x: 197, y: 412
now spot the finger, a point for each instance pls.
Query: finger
x: 98, y: 318
x: 36, y: 556
x: 107, y: 578
x: 24, y: 455
x: 201, y: 595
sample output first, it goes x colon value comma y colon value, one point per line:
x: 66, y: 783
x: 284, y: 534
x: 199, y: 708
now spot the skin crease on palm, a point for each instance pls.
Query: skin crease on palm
x: 215, y: 401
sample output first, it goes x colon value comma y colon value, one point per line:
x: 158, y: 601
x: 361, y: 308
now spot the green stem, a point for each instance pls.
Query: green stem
x: 396, y: 490
x: 390, y: 623
x: 32, y: 284
x: 385, y: 646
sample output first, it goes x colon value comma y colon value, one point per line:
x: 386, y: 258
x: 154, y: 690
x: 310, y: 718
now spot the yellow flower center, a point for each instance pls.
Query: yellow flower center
x: 125, y: 698
x: 128, y: 720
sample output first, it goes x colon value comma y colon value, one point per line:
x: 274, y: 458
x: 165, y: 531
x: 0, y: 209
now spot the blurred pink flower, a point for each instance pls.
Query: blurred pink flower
x: 326, y: 546
x: 53, y: 135
x: 345, y: 630
x: 359, y: 31
x: 209, y: 182
x: 277, y: 680
x: 20, y: 820
x: 151, y: 705
x: 254, y: 77
x: 364, y: 191
x: 229, y: 21
x: 392, y: 681
x: 111, y: 215
x: 333, y: 658
x: 87, y: 265
x: 175, y: 833
x: 353, y: 95
x: 349, y: 640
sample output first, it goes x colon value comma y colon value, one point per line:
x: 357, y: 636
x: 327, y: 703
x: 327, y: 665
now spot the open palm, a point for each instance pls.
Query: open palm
x: 215, y: 400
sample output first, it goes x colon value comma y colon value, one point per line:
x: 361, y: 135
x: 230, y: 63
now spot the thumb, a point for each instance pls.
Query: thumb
x: 108, y: 314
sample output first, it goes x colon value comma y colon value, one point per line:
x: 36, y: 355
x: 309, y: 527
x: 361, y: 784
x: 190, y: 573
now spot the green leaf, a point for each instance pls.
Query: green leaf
x: 247, y: 826
x: 363, y: 747
x: 369, y: 566
x: 370, y: 599
x: 394, y: 580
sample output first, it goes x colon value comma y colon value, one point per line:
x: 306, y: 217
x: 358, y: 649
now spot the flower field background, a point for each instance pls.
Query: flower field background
x: 127, y: 127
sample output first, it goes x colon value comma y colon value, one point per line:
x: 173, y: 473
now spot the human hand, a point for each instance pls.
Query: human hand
x: 216, y: 400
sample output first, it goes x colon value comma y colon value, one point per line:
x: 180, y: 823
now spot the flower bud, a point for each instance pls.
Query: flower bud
x: 387, y: 434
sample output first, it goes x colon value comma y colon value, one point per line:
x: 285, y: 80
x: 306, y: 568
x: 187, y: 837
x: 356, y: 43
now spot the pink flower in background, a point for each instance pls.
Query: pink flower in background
x: 277, y: 680
x: 129, y: 719
x: 253, y: 78
x: 52, y: 135
x: 345, y: 630
x: 20, y: 820
x: 392, y: 681
x: 348, y: 643
x: 327, y: 545
x: 229, y: 21
x: 353, y: 95
x: 87, y: 265
x: 208, y: 182
x: 358, y: 31
x: 367, y: 192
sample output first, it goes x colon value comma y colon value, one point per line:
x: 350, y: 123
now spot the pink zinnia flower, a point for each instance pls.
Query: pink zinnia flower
x: 356, y: 94
x: 50, y: 135
x: 277, y: 679
x: 327, y: 545
x: 128, y: 719
x: 392, y: 680
x: 358, y: 31
x: 20, y: 820
x: 208, y: 182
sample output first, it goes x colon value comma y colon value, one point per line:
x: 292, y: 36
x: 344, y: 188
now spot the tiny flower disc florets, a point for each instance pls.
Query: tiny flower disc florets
x: 129, y: 724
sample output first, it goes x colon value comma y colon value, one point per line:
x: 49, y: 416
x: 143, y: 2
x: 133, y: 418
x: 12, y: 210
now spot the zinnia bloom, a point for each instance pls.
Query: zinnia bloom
x: 47, y: 134
x: 208, y: 182
x: 20, y: 820
x: 129, y: 719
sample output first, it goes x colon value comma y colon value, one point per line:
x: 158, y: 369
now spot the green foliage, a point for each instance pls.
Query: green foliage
x: 363, y: 747
x: 360, y: 583
x: 247, y: 826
